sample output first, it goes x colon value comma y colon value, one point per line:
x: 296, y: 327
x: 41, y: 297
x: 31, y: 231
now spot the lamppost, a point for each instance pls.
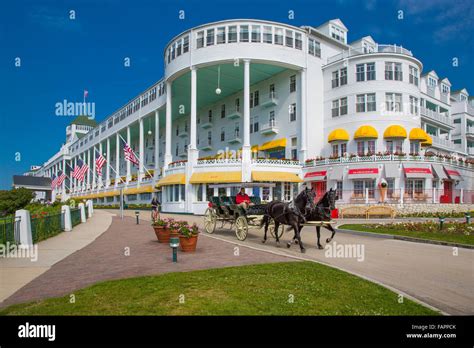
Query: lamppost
x: 174, y: 243
x: 137, y: 214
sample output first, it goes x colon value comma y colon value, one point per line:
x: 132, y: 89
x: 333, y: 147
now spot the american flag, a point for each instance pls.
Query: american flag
x: 99, y: 163
x: 128, y: 154
x: 86, y: 94
x: 60, y: 178
x: 76, y: 169
x: 54, y: 180
x: 81, y: 170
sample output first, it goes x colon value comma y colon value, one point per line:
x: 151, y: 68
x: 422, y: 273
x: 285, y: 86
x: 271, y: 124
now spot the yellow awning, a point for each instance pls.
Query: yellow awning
x: 418, y: 134
x: 254, y: 148
x: 141, y: 189
x: 428, y: 141
x: 275, y: 176
x: 366, y: 132
x: 338, y: 135
x: 173, y: 179
x: 395, y: 131
x: 272, y: 144
x: 216, y: 177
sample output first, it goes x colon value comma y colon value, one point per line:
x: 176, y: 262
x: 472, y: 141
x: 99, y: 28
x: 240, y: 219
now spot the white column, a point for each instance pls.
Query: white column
x: 302, y: 108
x: 192, y: 149
x: 74, y: 180
x: 94, y: 175
x: 168, y: 157
x: 157, y: 144
x: 129, y: 175
x: 192, y: 142
x: 246, y: 155
x: 107, y: 165
x: 64, y: 182
x: 88, y: 172
x: 141, y: 150
x: 117, y: 159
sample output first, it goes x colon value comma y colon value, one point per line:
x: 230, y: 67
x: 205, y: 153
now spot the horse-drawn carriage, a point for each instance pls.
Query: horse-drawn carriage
x: 224, y: 210
x: 302, y: 211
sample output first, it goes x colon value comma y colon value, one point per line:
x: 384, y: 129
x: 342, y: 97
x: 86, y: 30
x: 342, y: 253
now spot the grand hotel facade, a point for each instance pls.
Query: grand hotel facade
x: 266, y: 102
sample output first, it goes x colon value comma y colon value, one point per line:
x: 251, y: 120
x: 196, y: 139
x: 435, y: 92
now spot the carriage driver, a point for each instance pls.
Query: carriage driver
x: 242, y: 199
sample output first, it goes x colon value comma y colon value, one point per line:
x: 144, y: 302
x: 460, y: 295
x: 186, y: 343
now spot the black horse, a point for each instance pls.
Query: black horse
x: 321, y: 212
x: 292, y: 214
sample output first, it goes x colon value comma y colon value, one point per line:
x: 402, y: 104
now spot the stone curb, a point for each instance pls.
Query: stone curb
x: 404, y: 238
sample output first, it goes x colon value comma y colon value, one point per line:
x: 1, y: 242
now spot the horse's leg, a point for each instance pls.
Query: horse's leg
x: 298, y: 237
x: 266, y: 219
x: 277, y: 226
x: 318, y: 233
x: 330, y: 228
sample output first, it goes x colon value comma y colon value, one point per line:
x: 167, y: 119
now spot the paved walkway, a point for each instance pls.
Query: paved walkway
x: 107, y: 259
x: 430, y: 273
x: 17, y: 272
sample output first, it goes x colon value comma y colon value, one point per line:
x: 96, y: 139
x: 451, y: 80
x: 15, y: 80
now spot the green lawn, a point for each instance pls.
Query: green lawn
x: 451, y: 232
x: 247, y: 290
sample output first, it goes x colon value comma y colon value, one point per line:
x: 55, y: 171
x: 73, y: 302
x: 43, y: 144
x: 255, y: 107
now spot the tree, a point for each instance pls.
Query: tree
x: 15, y: 199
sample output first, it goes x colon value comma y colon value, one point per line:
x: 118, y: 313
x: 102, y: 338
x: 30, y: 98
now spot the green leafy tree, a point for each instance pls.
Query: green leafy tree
x: 15, y: 199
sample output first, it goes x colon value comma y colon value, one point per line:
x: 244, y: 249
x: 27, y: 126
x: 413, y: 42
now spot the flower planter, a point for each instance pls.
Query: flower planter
x: 188, y: 244
x: 162, y: 233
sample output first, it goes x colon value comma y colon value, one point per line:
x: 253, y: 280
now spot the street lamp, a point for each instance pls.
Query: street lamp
x: 174, y: 243
x: 137, y: 214
x: 441, y: 222
x: 468, y: 217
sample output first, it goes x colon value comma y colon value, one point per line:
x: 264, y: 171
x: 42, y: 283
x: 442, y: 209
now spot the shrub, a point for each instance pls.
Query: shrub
x: 15, y: 199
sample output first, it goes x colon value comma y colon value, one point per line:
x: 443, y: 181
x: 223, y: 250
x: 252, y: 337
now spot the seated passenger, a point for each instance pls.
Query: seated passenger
x: 242, y: 199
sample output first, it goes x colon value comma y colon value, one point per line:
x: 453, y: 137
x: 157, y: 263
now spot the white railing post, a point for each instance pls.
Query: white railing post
x: 401, y: 196
x: 66, y: 211
x: 366, y: 195
x: 83, y: 212
x: 26, y: 237
x: 90, y: 206
x: 461, y: 196
x: 434, y: 194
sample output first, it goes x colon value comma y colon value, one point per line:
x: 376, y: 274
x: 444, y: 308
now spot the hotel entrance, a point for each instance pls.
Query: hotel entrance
x: 320, y: 189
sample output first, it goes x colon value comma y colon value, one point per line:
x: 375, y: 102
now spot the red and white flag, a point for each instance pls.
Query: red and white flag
x: 99, y: 163
x: 86, y: 94
x: 129, y: 155
x: 54, y: 180
x: 60, y: 178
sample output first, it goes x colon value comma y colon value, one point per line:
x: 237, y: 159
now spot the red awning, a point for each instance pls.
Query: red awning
x: 453, y: 174
x: 315, y: 176
x: 418, y: 171
x: 363, y: 173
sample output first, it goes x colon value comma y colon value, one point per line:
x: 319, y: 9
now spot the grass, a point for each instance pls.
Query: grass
x: 451, y: 232
x: 246, y: 290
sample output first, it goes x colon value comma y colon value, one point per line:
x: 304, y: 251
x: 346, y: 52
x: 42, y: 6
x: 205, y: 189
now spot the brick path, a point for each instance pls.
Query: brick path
x: 104, y: 259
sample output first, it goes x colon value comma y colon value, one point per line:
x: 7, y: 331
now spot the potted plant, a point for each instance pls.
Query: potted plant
x: 162, y: 230
x: 188, y: 236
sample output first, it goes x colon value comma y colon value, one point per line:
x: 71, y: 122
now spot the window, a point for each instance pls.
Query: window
x: 335, y: 108
x: 398, y: 72
x: 343, y: 80
x: 360, y: 72
x: 287, y: 191
x: 432, y: 82
x: 220, y: 35
x: 335, y: 150
x: 289, y: 38
x: 237, y: 104
x: 414, y: 147
x: 254, y: 99
x: 292, y: 83
x: 413, y: 105
x: 232, y: 34
x: 370, y: 67
x: 278, y: 36
x: 255, y: 124
x: 343, y: 106
x: 393, y: 102
x: 210, y: 37
x: 293, y: 112
x: 394, y: 146
x: 337, y: 34
x: 339, y: 188
x: 267, y: 34
x: 200, y: 39
x: 209, y: 116
x: 365, y: 102
x: 314, y: 48
x: 298, y: 41
x: 393, y: 71
x: 179, y: 48
x: 371, y: 147
x: 223, y: 111
x: 361, y: 148
x: 222, y: 134
x: 244, y: 33
x: 256, y: 37
x: 444, y: 88
x: 388, y: 71
x: 360, y: 187
x: 413, y: 75
x: 199, y: 191
x: 272, y: 91
x: 414, y: 187
x: 335, y: 79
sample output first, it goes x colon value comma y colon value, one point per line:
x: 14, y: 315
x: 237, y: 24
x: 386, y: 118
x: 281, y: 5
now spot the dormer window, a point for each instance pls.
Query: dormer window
x: 432, y: 82
x: 462, y: 97
x: 338, y: 34
x: 444, y: 88
x: 367, y: 47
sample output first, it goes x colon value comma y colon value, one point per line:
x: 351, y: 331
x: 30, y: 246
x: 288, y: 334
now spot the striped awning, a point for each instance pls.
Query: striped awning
x: 275, y: 176
x: 395, y: 131
x: 453, y: 174
x: 216, y: 177
x: 319, y: 175
x: 172, y: 179
x: 366, y: 132
x: 368, y: 171
x: 272, y: 144
x: 417, y: 171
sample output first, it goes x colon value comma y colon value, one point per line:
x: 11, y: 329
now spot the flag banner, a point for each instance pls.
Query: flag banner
x: 81, y: 172
x: 86, y: 94
x: 128, y: 154
x: 60, y: 178
x: 77, y: 168
x: 99, y: 163
x: 54, y: 180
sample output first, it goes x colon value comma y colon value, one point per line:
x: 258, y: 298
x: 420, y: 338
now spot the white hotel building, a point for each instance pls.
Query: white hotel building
x: 297, y: 104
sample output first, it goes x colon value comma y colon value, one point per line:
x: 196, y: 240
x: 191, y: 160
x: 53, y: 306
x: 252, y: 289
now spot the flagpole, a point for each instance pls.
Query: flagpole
x: 107, y: 161
x: 138, y: 159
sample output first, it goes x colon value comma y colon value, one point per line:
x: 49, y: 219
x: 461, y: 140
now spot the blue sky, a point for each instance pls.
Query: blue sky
x: 62, y: 57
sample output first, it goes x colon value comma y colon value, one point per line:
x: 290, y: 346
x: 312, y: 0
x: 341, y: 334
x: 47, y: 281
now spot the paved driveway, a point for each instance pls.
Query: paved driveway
x: 430, y: 273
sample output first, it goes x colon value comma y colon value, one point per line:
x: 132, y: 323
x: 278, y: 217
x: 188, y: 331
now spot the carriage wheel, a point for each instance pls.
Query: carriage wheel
x: 271, y: 229
x: 210, y: 219
x: 241, y: 228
